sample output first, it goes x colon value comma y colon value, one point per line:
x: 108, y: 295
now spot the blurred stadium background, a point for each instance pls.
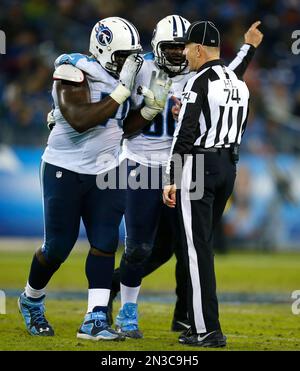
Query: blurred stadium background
x: 266, y: 193
x: 264, y: 212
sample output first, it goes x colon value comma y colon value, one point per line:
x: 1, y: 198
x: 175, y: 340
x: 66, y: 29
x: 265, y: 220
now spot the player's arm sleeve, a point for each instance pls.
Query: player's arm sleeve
x: 189, y: 130
x: 241, y: 62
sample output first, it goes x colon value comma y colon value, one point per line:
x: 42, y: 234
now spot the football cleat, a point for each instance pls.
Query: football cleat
x: 184, y: 334
x: 95, y: 327
x: 214, y: 339
x: 33, y: 313
x: 127, y: 321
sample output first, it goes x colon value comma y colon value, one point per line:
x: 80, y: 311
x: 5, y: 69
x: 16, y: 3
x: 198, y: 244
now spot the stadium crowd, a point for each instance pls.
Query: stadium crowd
x: 37, y: 31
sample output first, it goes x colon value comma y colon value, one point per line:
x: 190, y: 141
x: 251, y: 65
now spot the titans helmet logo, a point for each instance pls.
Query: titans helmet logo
x: 103, y: 35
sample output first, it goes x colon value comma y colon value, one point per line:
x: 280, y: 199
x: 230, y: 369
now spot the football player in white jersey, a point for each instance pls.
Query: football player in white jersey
x: 149, y: 152
x: 90, y: 96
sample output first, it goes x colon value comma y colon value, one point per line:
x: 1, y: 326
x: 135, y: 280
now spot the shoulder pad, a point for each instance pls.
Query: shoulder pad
x: 69, y: 73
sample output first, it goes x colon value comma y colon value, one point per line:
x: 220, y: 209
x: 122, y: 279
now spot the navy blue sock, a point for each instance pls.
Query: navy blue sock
x: 130, y: 275
x: 116, y: 281
x: 40, y: 274
x: 99, y: 270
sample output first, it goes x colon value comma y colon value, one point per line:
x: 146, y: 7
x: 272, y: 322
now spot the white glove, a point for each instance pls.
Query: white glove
x: 156, y: 96
x: 130, y: 68
x: 50, y: 120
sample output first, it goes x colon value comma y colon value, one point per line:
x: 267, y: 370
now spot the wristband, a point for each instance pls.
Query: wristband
x: 149, y: 113
x: 120, y: 94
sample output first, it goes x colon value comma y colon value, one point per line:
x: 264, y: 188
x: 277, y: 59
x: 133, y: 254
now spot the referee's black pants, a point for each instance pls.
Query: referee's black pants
x: 199, y: 215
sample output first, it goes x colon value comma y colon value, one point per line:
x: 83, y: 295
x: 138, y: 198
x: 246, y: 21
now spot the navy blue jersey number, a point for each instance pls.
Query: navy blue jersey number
x: 162, y: 125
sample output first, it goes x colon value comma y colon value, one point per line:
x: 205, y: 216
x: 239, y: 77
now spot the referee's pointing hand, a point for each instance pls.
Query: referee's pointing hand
x: 253, y: 36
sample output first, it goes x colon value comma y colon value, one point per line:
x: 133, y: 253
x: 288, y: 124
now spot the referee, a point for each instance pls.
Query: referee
x: 211, y: 122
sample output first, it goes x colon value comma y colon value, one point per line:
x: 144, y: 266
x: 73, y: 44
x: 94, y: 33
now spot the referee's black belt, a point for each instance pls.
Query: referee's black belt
x: 233, y: 150
x: 198, y: 149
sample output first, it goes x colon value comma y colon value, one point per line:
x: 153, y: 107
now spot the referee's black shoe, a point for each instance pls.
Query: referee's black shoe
x: 214, y: 339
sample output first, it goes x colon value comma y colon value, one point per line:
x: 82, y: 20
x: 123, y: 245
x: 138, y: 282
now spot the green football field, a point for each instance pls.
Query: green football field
x: 254, y: 289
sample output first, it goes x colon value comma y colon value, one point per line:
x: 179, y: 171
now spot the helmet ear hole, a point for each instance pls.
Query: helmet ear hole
x: 99, y: 49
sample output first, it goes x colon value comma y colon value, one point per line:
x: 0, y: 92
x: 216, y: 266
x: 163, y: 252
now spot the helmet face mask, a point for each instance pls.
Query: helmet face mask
x: 171, y: 56
x: 112, y: 40
x: 167, y: 52
x: 118, y: 58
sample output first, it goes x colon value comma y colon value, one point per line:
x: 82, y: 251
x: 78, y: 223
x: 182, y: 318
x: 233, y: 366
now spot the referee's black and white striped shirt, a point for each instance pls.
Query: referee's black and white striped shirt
x: 214, y: 110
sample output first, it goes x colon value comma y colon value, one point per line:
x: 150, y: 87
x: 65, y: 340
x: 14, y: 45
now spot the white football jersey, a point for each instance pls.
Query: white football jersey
x: 97, y: 149
x: 152, y: 147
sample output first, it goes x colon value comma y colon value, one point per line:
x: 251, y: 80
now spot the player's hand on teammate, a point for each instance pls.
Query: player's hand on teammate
x: 130, y: 68
x: 156, y: 95
x: 253, y: 36
x: 169, y: 195
x: 159, y: 86
x: 176, y: 107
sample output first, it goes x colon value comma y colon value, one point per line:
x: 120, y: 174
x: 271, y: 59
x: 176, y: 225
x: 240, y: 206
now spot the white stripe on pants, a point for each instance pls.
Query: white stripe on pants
x: 192, y: 253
